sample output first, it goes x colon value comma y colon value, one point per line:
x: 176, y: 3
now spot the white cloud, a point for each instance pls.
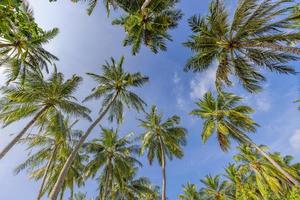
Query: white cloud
x: 295, y: 140
x: 176, y: 78
x: 263, y: 104
x: 179, y: 90
x: 202, y: 83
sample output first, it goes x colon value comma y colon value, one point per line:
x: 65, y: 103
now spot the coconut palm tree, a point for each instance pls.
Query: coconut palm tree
x: 266, y: 177
x: 256, y: 38
x: 214, y: 188
x: 40, y: 98
x: 241, y: 183
x: 114, y: 157
x: 190, y: 192
x: 22, y: 41
x: 229, y: 120
x: 114, y: 86
x: 162, y: 139
x: 148, y: 22
x: 51, y: 148
x: 133, y: 188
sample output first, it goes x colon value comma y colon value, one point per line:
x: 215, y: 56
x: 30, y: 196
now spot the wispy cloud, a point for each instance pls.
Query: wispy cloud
x: 179, y: 90
x: 262, y: 102
x: 202, y: 83
x: 295, y: 140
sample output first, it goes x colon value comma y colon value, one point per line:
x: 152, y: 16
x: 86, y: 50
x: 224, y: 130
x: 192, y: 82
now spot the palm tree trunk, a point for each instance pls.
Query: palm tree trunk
x: 103, y: 195
x: 163, y: 166
x: 276, y: 47
x: 5, y: 45
x: 72, y: 192
x: 67, y: 165
x: 45, y: 174
x: 274, y: 163
x: 145, y: 4
x: 19, y: 136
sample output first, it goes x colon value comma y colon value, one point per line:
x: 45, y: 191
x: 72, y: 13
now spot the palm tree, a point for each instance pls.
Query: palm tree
x: 114, y: 156
x: 148, y: 22
x: 229, y: 120
x: 51, y: 147
x: 161, y: 140
x: 114, y: 88
x: 267, y: 178
x: 255, y: 38
x: 215, y: 188
x: 190, y: 192
x: 241, y: 184
x: 133, y: 188
x: 22, y: 41
x: 39, y: 98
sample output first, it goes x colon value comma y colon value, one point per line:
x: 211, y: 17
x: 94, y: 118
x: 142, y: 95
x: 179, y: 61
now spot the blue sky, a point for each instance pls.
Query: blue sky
x: 85, y: 42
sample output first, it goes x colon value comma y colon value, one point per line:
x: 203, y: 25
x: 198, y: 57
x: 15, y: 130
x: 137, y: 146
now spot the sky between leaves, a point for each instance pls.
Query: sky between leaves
x: 85, y: 42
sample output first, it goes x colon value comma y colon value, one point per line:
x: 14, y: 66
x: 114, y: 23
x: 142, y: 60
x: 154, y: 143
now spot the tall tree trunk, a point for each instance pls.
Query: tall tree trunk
x: 163, y: 166
x: 67, y: 165
x: 275, y: 47
x: 2, y: 45
x: 145, y: 4
x: 19, y: 136
x: 45, y: 174
x: 274, y: 163
x: 103, y: 195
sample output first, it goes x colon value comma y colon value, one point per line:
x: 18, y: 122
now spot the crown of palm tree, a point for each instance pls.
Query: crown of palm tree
x: 21, y: 42
x: 114, y: 156
x: 225, y: 117
x: 135, y: 188
x: 266, y: 176
x: 149, y: 25
x: 115, y: 82
x: 254, y: 39
x: 215, y: 188
x: 190, y: 192
x: 93, y: 3
x: 51, y: 147
x: 22, y: 100
x: 168, y: 133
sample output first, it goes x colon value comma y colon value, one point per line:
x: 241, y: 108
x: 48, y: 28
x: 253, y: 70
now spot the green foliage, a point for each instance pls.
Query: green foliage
x: 22, y: 40
x: 162, y: 136
x: 224, y: 116
x: 190, y: 192
x: 21, y: 100
x: 258, y: 36
x: 114, y: 82
x: 51, y: 146
x: 150, y: 26
x: 114, y: 156
x: 251, y: 177
x: 237, y: 45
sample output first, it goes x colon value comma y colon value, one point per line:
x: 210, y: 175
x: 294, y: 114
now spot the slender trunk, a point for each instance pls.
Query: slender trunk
x: 19, y: 136
x: 163, y: 166
x: 103, y: 195
x: 61, y: 195
x: 45, y: 174
x: 2, y: 45
x: 145, y: 4
x: 275, y: 164
x: 67, y: 165
x: 275, y: 47
x: 72, y: 192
